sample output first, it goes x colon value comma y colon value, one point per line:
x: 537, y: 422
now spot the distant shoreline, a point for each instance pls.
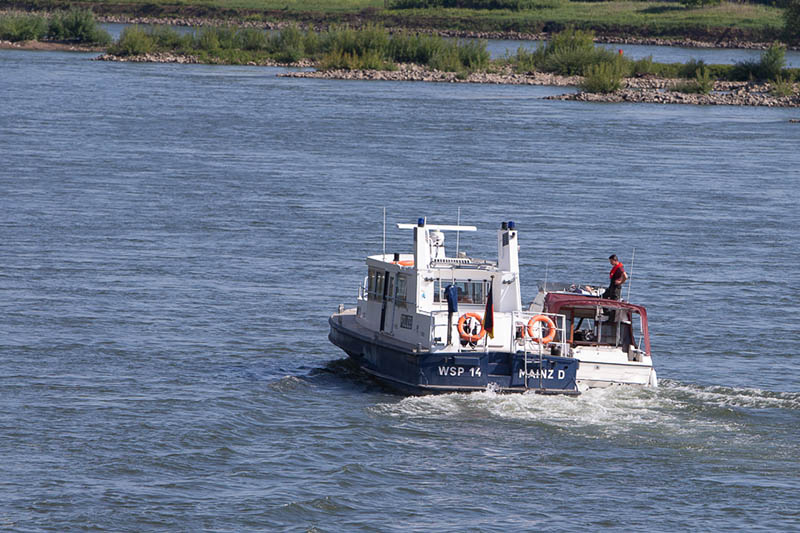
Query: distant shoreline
x: 634, y: 90
x: 710, y: 41
x: 728, y: 43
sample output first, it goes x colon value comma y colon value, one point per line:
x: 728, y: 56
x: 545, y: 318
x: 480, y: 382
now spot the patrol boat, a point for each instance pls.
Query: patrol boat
x: 610, y: 338
x: 426, y: 323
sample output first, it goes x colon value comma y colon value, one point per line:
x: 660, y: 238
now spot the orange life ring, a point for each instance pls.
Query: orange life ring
x: 550, y: 324
x: 465, y: 334
x: 404, y: 262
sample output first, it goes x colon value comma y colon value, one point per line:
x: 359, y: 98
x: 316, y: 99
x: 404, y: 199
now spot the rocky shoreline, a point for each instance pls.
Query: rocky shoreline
x: 640, y: 90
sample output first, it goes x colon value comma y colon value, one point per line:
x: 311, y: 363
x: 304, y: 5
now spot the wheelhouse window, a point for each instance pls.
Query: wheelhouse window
x: 469, y: 292
x: 401, y: 289
x: 375, y: 285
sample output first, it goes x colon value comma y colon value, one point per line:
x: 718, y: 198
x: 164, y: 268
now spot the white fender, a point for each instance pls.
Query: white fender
x: 653, y: 379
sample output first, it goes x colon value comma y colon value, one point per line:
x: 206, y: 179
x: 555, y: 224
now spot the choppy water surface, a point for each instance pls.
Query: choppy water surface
x: 174, y: 237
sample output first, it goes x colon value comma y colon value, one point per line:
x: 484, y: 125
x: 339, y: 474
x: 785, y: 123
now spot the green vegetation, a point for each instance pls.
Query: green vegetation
x: 371, y: 47
x: 602, y: 78
x: 781, y: 86
x: 753, y: 21
x: 22, y: 27
x: 769, y: 67
x: 693, y: 4
x: 572, y: 52
x: 567, y: 53
x: 791, y: 22
x: 512, y: 5
x: 75, y: 25
x: 702, y: 83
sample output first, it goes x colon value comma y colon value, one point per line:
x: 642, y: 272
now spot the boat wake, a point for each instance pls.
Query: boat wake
x: 734, y: 397
x: 678, y: 410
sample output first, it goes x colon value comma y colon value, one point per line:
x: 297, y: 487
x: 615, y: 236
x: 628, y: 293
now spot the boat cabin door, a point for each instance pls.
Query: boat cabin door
x: 388, y: 299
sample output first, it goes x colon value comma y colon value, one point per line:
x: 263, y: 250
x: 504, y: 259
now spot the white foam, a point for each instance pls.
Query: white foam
x: 736, y: 397
x: 675, y: 410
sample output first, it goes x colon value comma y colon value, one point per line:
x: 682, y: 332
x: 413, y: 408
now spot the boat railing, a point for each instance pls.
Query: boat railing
x: 512, y: 333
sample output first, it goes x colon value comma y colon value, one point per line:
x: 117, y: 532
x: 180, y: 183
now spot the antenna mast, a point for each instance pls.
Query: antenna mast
x: 458, y: 233
x: 384, y: 233
x: 546, y: 268
x: 630, y: 278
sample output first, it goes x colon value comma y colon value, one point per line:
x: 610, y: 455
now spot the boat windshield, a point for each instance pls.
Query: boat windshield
x: 603, y: 326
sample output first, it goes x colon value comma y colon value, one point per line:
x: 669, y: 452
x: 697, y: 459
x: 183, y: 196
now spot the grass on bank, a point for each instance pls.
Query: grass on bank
x: 75, y: 25
x: 572, y: 52
x: 645, y: 18
x: 371, y: 47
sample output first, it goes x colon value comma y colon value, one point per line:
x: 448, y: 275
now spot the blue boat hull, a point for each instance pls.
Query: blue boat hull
x: 421, y: 372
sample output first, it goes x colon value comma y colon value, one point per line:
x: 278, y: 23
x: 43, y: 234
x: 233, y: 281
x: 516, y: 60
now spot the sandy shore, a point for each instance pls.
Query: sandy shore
x: 48, y: 46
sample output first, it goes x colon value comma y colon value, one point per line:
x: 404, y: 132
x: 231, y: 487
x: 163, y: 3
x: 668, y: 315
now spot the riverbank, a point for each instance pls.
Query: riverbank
x: 728, y: 25
x: 49, y: 46
x: 724, y: 40
x: 638, y: 90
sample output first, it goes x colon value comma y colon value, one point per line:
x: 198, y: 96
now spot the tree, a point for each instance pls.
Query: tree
x: 791, y: 22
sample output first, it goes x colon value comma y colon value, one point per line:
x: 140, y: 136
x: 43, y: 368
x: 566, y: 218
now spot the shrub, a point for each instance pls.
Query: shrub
x: 311, y: 43
x: 207, y: 39
x: 288, y: 43
x: 690, y: 68
x: 513, y: 5
x: 473, y: 55
x: 791, y: 22
x: 372, y: 38
x: 525, y: 60
x: 337, y: 59
x: 252, y: 39
x: 167, y: 38
x: 701, y: 83
x: 339, y: 39
x: 569, y: 52
x: 768, y: 67
x: 77, y: 25
x: 447, y: 59
x: 772, y: 61
x: 602, y: 78
x: 643, y: 66
x: 694, y: 4
x: 782, y: 86
x: 22, y: 27
x: 133, y: 41
x: 407, y: 48
x: 288, y: 54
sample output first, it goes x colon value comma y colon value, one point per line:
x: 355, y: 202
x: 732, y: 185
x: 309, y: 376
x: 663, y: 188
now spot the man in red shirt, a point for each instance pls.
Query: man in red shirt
x: 617, y: 277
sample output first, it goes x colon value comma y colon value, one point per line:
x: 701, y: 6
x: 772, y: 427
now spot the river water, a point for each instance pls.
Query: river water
x: 174, y: 238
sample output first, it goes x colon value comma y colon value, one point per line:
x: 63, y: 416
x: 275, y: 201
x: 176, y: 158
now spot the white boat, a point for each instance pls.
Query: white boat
x: 421, y: 321
x: 425, y: 322
x: 610, y: 338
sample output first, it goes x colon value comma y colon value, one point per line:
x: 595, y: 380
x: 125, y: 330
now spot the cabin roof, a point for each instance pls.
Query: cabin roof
x: 554, y: 301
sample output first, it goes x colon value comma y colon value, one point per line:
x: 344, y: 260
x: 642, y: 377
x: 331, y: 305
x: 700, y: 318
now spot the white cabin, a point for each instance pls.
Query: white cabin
x: 403, y: 295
